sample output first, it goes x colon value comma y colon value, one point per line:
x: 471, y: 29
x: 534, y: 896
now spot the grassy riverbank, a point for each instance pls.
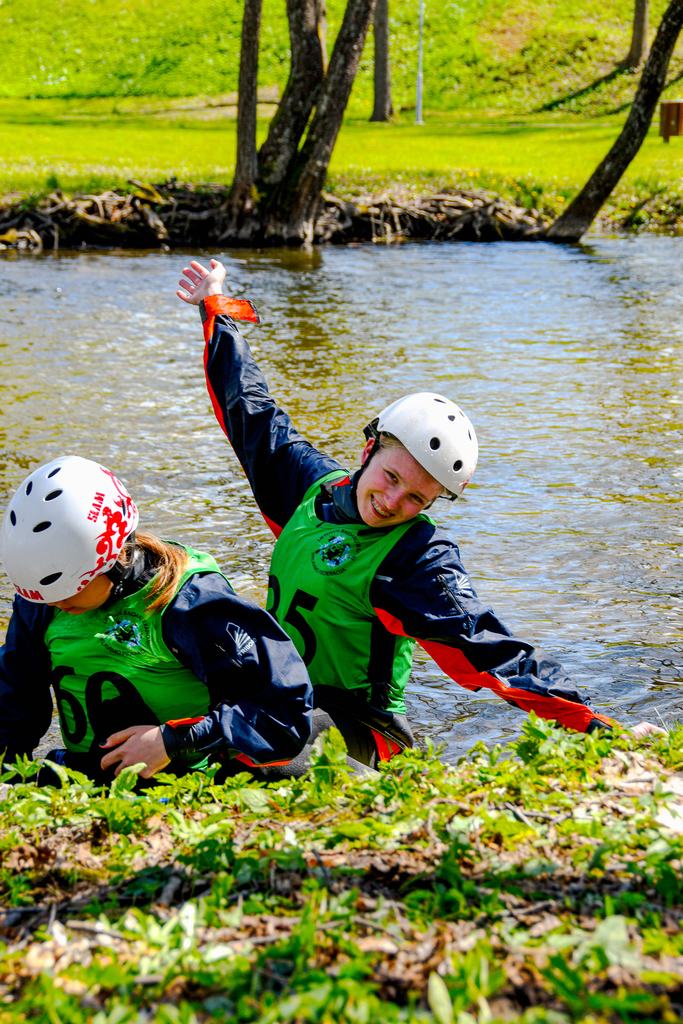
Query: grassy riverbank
x: 523, y: 98
x: 541, y: 883
x: 90, y: 146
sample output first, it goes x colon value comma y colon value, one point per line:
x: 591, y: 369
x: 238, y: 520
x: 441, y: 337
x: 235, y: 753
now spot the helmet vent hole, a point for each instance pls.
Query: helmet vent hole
x: 435, y: 444
x: 457, y: 465
x: 52, y: 494
x: 52, y: 578
x: 53, y: 472
x: 469, y: 434
x: 451, y: 418
x: 42, y: 526
x: 13, y: 518
x: 29, y: 486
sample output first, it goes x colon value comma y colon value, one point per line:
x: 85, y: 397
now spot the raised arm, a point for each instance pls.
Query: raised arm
x: 280, y: 465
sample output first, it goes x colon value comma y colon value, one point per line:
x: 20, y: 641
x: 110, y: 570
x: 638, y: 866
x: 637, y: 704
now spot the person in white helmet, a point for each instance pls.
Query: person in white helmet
x: 149, y: 653
x: 359, y: 571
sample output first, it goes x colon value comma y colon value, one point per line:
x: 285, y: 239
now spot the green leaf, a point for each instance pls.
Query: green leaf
x: 126, y: 780
x: 439, y: 999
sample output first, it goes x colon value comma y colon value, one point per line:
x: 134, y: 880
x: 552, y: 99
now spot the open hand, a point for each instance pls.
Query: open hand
x: 198, y: 282
x: 647, y: 729
x: 133, y: 745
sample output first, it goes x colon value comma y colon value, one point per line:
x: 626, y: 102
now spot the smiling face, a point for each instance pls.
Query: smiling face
x: 393, y: 487
x: 91, y: 597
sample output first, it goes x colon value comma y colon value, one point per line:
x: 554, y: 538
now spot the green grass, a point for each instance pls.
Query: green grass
x: 553, y: 150
x: 538, y: 883
x: 46, y: 145
x: 97, y: 144
x: 516, y: 55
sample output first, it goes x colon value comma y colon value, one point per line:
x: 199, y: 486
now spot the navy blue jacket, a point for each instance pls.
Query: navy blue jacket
x: 259, y: 693
x: 421, y: 589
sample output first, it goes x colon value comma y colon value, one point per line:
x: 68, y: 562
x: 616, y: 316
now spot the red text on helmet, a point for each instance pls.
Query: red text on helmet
x: 94, y: 512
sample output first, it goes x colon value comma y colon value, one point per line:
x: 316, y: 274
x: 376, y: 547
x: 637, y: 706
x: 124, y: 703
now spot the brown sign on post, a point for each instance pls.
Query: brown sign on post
x: 670, y: 118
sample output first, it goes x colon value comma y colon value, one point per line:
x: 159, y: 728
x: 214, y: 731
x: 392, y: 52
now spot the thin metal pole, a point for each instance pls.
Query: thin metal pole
x: 418, y: 98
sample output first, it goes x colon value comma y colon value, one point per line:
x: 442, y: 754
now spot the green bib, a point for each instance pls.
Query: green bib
x: 320, y: 594
x: 111, y: 669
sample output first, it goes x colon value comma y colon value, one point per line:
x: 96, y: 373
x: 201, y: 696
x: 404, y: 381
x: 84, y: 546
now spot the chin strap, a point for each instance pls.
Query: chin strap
x: 371, y: 434
x: 371, y: 431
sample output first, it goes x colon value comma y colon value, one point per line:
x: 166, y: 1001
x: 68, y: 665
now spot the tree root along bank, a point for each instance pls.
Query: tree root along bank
x: 186, y: 216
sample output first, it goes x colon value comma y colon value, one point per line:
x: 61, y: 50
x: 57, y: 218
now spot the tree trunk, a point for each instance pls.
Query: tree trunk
x: 292, y: 208
x: 245, y: 164
x: 321, y: 8
x: 383, y: 108
x: 636, y: 53
x: 300, y: 95
x: 581, y: 212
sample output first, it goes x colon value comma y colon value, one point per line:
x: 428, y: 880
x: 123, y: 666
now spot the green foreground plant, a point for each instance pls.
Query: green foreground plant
x: 540, y: 882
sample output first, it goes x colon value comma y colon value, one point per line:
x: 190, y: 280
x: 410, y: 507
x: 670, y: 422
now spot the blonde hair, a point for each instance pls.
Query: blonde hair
x: 171, y: 561
x: 390, y: 441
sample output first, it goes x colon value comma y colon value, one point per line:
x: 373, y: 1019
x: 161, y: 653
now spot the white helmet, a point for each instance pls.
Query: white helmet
x: 438, y: 435
x: 66, y: 524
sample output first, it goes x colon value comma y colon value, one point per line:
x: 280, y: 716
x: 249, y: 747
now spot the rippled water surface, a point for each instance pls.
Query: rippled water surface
x: 568, y: 360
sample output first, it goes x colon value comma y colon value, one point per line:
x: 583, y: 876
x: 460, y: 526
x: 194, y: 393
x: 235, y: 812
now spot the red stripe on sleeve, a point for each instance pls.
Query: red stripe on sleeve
x: 386, y: 748
x: 242, y: 310
x: 454, y: 663
x: 208, y: 328
x: 244, y: 759
x: 273, y: 526
x: 176, y: 723
x: 214, y: 305
x: 218, y: 412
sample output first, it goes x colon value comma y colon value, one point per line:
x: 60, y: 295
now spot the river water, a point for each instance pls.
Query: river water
x: 567, y: 359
